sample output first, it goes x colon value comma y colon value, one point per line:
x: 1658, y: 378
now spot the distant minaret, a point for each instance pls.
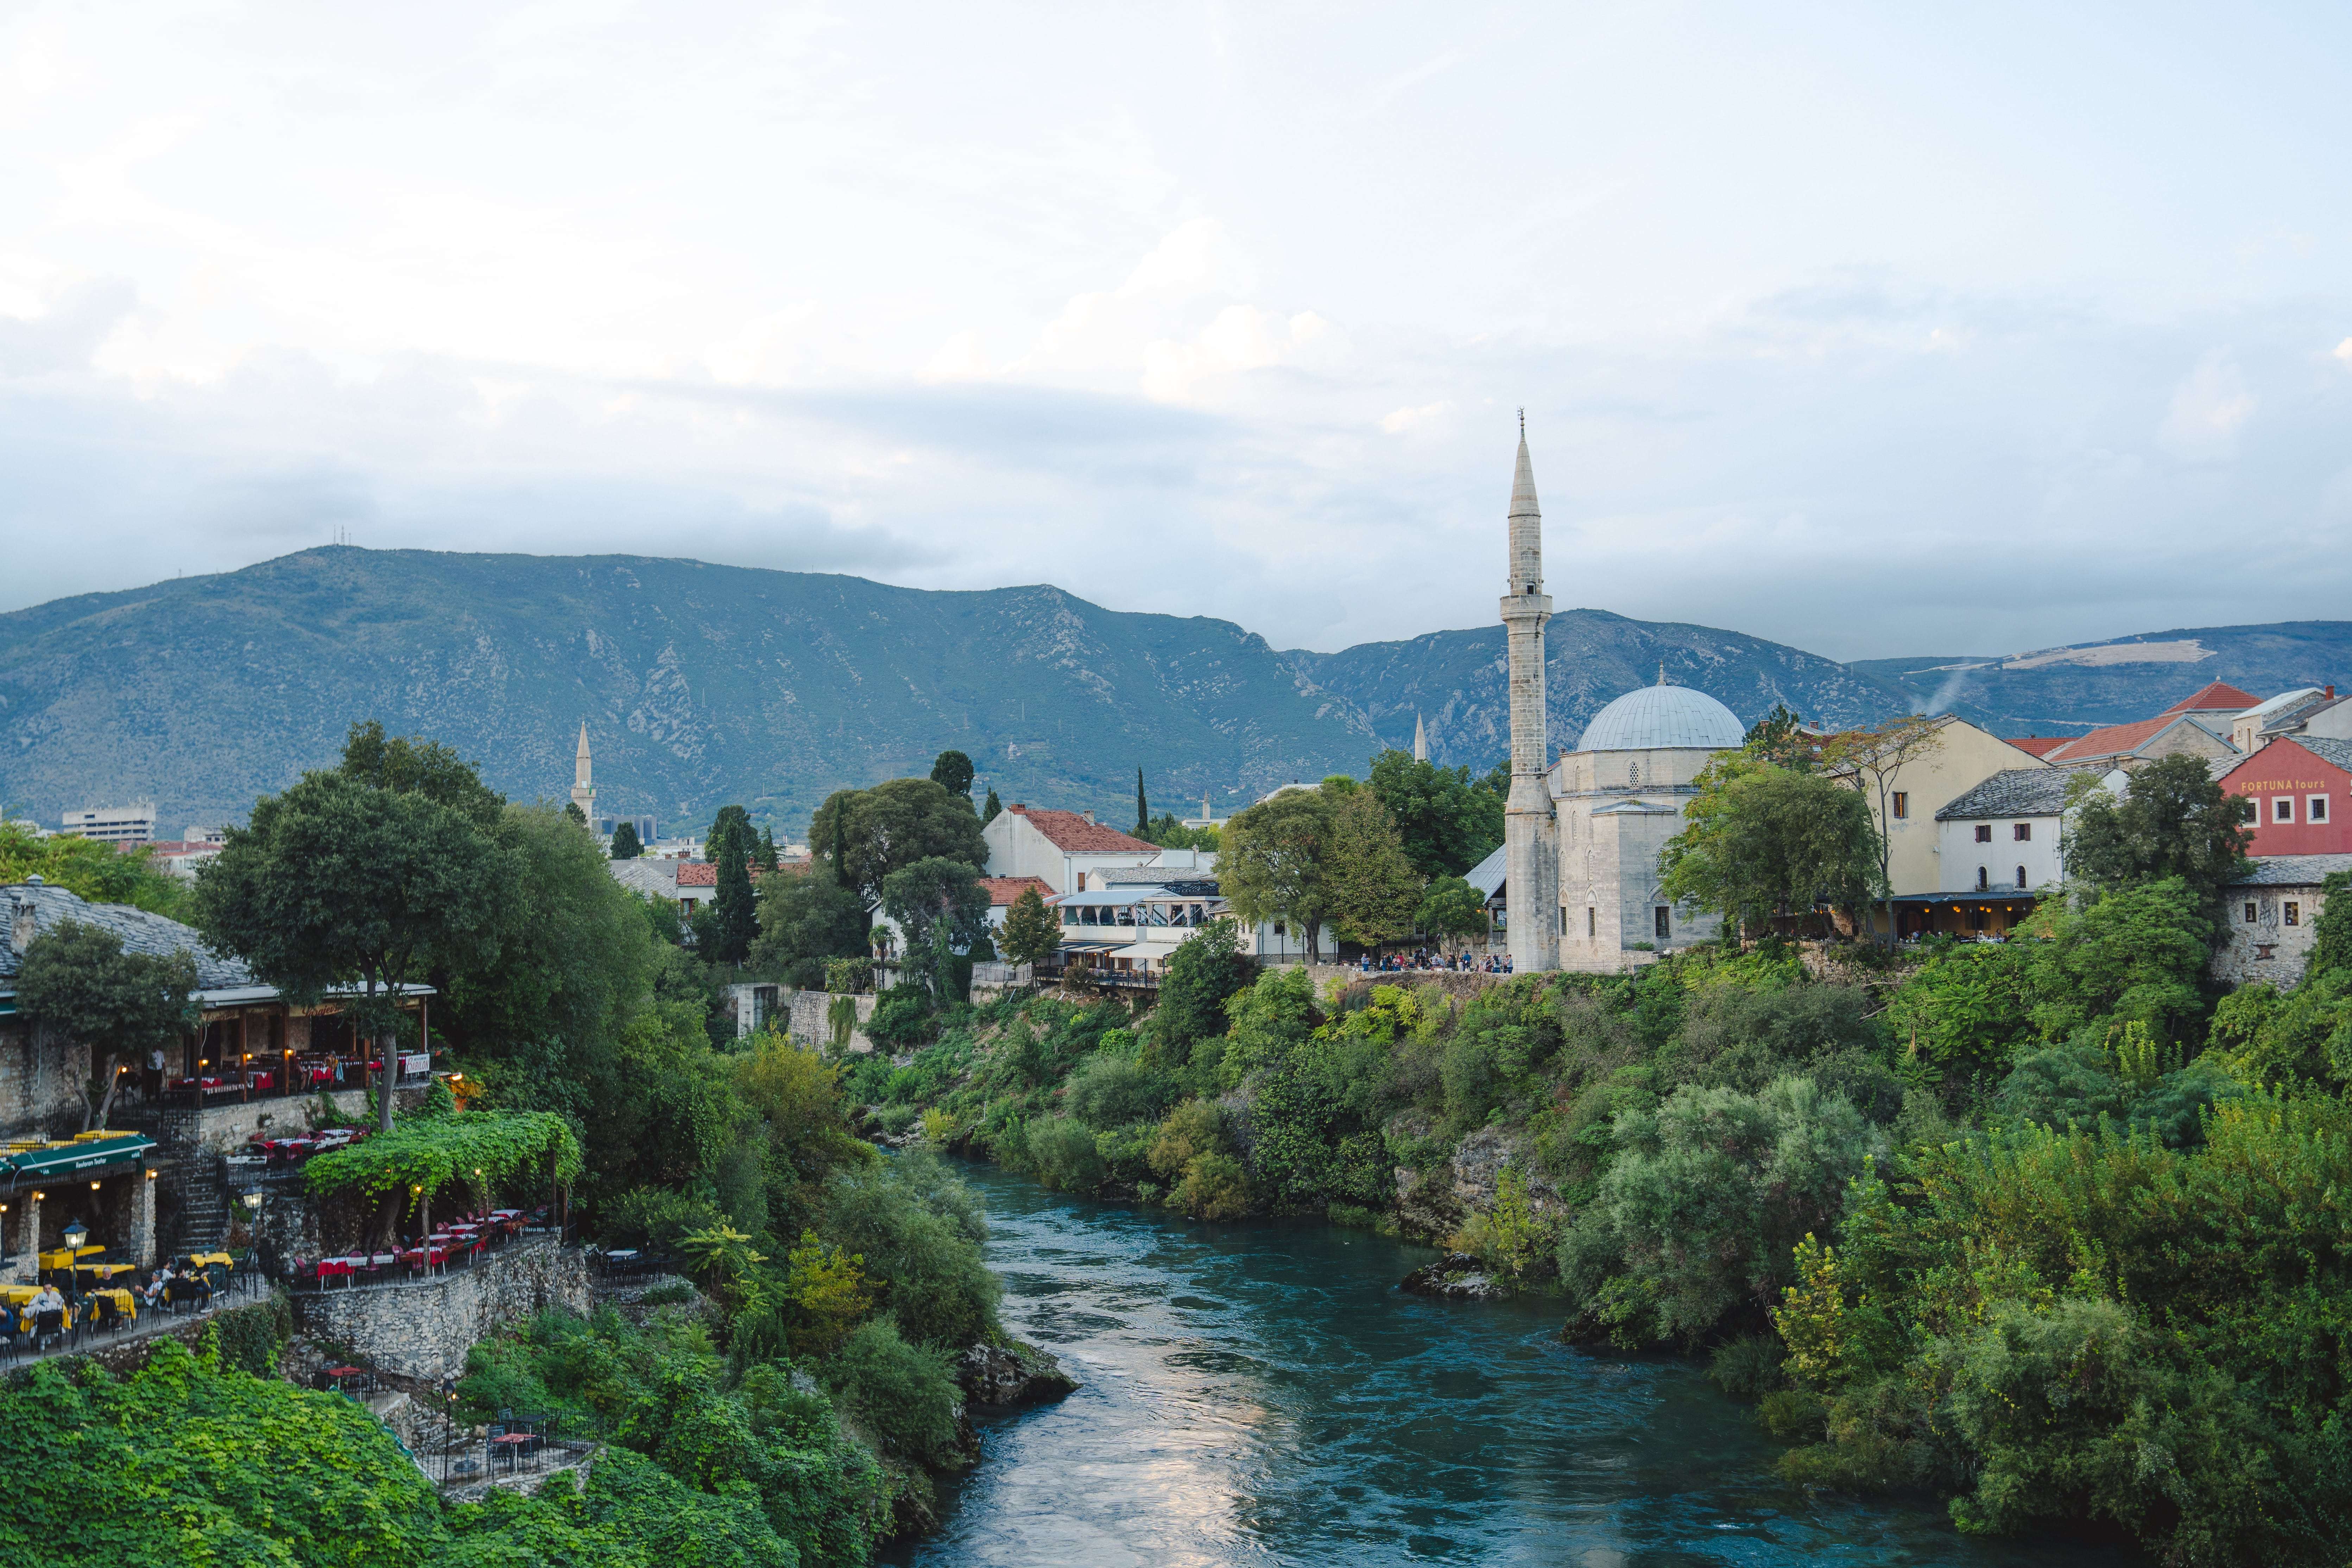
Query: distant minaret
x: 1419, y: 741
x: 583, y: 795
x: 1530, y: 850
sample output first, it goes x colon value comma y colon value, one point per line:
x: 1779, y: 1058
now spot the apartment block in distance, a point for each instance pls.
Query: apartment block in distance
x: 113, y: 823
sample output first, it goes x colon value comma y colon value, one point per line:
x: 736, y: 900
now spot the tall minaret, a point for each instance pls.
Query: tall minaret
x: 1419, y: 741
x: 1531, y: 846
x: 583, y: 795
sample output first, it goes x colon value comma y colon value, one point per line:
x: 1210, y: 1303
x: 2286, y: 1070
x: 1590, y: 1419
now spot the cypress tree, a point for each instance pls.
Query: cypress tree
x: 1142, y: 812
x: 625, y: 843
x: 994, y: 809
x: 840, y: 849
x: 736, y: 920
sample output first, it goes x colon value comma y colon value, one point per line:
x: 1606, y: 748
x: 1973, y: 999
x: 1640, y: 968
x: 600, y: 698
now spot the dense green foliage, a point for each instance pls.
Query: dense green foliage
x: 1763, y: 840
x: 2174, y: 821
x: 477, y: 1150
x: 1446, y: 822
x: 89, y: 869
x: 897, y: 823
x: 806, y: 920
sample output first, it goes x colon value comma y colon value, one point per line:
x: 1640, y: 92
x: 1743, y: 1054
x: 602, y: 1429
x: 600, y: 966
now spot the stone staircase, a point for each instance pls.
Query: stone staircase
x: 195, y: 1180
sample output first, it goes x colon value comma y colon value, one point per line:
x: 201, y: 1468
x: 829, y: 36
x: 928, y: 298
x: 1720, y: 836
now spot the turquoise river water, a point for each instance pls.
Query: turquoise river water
x: 1264, y: 1394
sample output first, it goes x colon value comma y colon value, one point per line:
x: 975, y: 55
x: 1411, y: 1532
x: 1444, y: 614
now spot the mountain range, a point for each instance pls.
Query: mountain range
x: 702, y: 684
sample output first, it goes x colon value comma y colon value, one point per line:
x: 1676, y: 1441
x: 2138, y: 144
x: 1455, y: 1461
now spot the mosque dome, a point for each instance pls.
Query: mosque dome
x: 1651, y: 718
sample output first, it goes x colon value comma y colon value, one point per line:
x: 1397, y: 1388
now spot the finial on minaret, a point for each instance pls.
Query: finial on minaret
x: 1419, y: 741
x: 1662, y: 672
x: 1523, y: 424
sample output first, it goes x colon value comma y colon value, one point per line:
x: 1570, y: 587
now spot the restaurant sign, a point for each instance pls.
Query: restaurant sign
x: 81, y: 1154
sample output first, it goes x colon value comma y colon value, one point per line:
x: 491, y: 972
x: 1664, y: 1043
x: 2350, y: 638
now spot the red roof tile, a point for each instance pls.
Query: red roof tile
x: 2218, y: 696
x: 2039, y: 745
x: 1002, y: 890
x: 697, y: 874
x: 2113, y: 740
x: 1074, y: 835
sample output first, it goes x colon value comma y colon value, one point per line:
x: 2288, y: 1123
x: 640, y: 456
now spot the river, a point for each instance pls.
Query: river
x: 1262, y: 1394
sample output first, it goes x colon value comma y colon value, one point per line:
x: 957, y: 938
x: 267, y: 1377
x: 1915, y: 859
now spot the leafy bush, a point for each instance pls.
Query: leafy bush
x: 902, y: 1018
x: 1111, y: 1090
x: 655, y: 1217
x: 1063, y: 1155
x: 1700, y: 1215
x: 904, y: 1394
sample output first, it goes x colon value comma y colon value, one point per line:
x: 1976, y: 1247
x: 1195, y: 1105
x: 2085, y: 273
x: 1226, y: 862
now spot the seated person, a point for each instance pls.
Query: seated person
x: 152, y: 1291
x: 47, y: 1300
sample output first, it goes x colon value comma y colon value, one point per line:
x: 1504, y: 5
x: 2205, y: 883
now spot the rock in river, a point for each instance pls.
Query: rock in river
x: 1457, y: 1274
x: 1013, y: 1374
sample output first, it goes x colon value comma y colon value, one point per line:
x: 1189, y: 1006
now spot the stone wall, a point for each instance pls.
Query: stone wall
x: 2266, y: 947
x: 810, y: 1029
x: 422, y: 1329
x: 1453, y: 982
x: 224, y: 1126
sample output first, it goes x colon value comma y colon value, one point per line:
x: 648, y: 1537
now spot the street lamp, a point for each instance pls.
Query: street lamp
x: 75, y: 1234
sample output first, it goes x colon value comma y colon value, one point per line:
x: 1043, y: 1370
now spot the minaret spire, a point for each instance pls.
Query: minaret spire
x: 1531, y: 833
x: 1420, y: 740
x: 583, y: 793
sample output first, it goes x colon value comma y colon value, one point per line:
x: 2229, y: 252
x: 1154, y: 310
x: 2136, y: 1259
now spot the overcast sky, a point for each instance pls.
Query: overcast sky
x: 1877, y: 330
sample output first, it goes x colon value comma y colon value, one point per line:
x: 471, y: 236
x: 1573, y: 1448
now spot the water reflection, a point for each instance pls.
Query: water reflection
x: 1262, y: 1394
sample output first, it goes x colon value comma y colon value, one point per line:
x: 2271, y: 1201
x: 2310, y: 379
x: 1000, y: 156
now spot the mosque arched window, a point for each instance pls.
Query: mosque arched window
x: 1981, y: 883
x: 1633, y: 772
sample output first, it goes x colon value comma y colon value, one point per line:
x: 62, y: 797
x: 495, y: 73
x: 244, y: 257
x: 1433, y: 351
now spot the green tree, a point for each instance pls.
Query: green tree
x: 409, y: 766
x: 942, y: 909
x: 1763, y: 841
x: 2174, y: 820
x: 1371, y: 889
x: 2331, y: 942
x: 1270, y: 862
x: 1872, y: 760
x: 1446, y: 824
x: 573, y: 815
x: 805, y: 922
x: 995, y: 808
x: 737, y: 920
x: 1705, y: 1203
x: 1142, y: 810
x: 1451, y: 907
x: 1031, y: 935
x: 76, y: 980
x: 625, y: 846
x: 2133, y: 957
x: 1780, y: 738
x: 952, y: 772
x: 729, y: 817
x: 91, y: 869
x: 1207, y: 969
x: 897, y: 823
x: 764, y: 859
x: 338, y: 883
x: 573, y: 956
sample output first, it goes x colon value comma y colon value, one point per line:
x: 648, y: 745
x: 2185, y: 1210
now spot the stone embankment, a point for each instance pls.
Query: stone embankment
x: 421, y: 1330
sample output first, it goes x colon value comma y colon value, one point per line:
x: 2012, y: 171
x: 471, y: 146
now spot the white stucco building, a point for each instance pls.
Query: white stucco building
x: 1068, y: 850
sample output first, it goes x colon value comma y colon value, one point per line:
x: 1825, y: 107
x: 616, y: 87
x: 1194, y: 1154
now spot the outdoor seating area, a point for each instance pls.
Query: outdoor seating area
x: 297, y: 1150
x: 82, y: 1295
x: 282, y: 1074
x: 460, y: 1242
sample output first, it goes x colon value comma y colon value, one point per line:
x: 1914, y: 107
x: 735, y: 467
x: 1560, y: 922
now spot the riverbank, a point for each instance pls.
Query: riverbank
x: 1261, y: 1391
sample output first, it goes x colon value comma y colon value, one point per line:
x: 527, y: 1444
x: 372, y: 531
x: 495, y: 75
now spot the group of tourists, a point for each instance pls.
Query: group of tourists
x: 1426, y: 959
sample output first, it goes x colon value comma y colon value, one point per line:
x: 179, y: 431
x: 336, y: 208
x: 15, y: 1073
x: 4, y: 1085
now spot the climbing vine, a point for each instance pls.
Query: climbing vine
x: 483, y: 1148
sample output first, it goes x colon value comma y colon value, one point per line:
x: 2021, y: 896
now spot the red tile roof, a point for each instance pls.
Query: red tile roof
x: 1074, y: 835
x: 2039, y: 745
x: 1002, y: 890
x: 2114, y: 740
x: 697, y: 874
x: 2218, y: 696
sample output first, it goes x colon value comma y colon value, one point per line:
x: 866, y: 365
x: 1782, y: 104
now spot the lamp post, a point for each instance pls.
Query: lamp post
x: 75, y: 1234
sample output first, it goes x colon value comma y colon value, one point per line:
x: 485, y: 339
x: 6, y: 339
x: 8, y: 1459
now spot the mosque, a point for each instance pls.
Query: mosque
x: 1582, y: 834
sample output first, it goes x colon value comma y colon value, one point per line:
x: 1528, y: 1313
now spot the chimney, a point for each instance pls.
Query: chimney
x: 2329, y: 693
x: 1089, y: 817
x: 1018, y: 808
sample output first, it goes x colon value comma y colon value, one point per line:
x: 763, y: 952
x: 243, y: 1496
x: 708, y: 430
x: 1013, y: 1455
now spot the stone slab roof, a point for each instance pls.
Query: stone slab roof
x: 2012, y: 792
x: 27, y: 909
x: 2291, y: 870
x: 2327, y: 750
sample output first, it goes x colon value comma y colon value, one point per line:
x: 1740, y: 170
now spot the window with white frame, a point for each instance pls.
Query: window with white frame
x: 2315, y: 808
x: 2282, y: 808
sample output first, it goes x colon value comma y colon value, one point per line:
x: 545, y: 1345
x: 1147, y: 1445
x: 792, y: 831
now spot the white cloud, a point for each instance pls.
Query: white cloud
x: 959, y: 359
x: 1399, y: 421
x: 2208, y: 408
x: 2344, y: 351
